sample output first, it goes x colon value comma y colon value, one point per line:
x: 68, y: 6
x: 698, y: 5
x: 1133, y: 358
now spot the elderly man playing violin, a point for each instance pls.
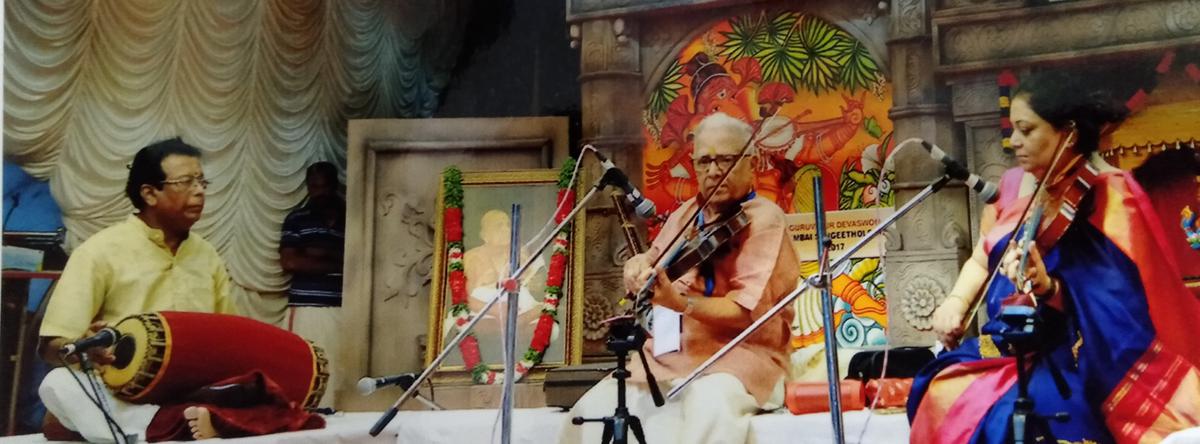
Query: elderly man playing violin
x: 716, y: 300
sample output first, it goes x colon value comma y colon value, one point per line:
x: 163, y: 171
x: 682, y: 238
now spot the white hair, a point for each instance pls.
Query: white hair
x: 722, y: 121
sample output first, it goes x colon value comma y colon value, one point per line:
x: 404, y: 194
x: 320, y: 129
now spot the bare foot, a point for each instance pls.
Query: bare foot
x: 200, y: 422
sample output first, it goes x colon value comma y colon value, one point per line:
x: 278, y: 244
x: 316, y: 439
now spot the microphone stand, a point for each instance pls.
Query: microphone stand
x: 783, y: 303
x: 512, y: 291
x: 466, y: 329
x: 821, y: 280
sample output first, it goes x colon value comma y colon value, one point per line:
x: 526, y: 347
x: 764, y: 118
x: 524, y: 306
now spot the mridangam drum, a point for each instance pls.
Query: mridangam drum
x: 164, y: 356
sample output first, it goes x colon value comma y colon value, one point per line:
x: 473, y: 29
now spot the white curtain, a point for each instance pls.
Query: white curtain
x: 264, y: 88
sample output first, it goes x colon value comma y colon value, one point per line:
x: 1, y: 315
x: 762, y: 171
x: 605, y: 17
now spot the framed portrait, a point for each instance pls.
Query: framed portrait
x: 473, y: 238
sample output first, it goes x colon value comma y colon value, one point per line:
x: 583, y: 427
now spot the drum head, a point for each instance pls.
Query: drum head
x: 130, y: 351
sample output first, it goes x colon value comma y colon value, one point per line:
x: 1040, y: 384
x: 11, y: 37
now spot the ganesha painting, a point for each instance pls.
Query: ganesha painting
x: 818, y: 101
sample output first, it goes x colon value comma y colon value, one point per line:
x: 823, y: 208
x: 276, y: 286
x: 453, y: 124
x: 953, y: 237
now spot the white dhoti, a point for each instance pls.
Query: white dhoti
x: 67, y: 401
x: 322, y: 326
x: 713, y: 409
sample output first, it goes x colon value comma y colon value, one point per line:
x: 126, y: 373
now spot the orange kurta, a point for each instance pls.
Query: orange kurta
x: 758, y: 270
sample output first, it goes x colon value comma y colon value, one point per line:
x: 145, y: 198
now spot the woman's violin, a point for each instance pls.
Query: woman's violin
x: 1044, y: 235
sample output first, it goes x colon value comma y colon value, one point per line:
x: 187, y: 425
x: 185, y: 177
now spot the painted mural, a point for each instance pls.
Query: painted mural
x: 818, y: 101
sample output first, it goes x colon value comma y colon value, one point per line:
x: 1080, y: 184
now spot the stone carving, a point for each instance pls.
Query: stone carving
x: 920, y: 220
x: 1076, y: 29
x: 910, y: 18
x: 618, y: 27
x: 921, y: 296
x: 992, y: 161
x: 951, y: 4
x: 1185, y: 19
x: 413, y: 268
x: 595, y: 311
x: 912, y: 72
x: 609, y: 45
x: 599, y: 304
x: 591, y: 6
x: 979, y: 95
x: 962, y: 44
x: 594, y: 55
x: 575, y: 33
x: 893, y: 240
x: 953, y: 236
x: 603, y: 237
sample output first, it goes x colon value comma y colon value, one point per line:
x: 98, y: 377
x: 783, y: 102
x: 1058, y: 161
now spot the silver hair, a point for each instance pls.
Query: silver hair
x: 722, y: 121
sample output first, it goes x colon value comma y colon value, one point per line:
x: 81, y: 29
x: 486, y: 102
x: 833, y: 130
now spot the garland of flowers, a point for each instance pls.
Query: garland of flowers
x: 1006, y: 81
x: 469, y: 347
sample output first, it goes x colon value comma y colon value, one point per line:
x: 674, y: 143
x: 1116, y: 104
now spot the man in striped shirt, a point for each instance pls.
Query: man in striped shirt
x: 311, y: 249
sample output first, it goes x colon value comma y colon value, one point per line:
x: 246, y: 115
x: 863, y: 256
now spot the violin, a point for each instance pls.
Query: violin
x: 1082, y: 176
x: 711, y: 240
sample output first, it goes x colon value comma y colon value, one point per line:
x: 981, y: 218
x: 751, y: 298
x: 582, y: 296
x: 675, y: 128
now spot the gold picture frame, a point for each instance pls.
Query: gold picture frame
x: 485, y: 194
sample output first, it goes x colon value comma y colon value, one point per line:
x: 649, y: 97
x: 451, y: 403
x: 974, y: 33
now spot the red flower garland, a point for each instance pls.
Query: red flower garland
x: 457, y: 280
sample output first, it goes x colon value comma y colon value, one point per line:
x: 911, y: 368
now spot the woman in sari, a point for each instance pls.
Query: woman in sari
x: 1113, y: 358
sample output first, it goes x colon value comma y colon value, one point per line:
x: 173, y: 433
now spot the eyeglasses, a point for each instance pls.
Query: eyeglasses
x: 724, y: 162
x: 188, y: 182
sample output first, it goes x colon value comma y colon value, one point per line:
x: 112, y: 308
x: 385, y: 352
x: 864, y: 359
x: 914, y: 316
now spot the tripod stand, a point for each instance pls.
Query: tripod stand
x: 625, y: 335
x: 1022, y: 336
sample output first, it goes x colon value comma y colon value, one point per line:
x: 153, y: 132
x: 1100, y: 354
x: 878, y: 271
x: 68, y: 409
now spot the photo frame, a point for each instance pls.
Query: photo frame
x: 471, y: 255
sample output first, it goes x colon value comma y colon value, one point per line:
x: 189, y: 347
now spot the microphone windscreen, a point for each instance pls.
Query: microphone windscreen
x: 366, y: 386
x: 645, y: 209
x: 990, y: 193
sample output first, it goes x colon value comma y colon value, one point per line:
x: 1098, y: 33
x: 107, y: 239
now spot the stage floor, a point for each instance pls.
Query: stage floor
x: 537, y: 425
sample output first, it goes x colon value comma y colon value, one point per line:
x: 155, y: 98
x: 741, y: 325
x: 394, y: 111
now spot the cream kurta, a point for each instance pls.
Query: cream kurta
x: 127, y: 269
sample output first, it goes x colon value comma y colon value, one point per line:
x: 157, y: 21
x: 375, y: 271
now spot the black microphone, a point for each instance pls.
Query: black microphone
x: 614, y: 176
x: 988, y: 192
x: 106, y: 337
x: 368, y: 385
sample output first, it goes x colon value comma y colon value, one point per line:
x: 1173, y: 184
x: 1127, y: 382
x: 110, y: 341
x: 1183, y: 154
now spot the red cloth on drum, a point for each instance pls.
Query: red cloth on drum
x: 205, y: 347
x: 276, y: 415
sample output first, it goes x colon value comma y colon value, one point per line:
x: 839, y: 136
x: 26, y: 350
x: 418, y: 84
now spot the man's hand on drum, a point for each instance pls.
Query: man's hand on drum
x: 99, y: 355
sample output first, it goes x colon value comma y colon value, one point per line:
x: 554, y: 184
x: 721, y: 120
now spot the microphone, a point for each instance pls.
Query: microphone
x: 368, y: 385
x: 988, y: 192
x: 614, y: 176
x: 103, y: 338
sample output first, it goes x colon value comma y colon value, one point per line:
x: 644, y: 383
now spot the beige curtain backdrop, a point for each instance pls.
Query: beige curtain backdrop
x: 264, y: 88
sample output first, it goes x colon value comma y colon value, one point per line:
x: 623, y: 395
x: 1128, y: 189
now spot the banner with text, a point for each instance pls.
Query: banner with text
x: 844, y: 228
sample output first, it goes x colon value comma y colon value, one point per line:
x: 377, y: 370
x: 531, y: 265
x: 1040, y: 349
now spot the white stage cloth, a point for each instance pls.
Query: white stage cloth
x: 543, y: 425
